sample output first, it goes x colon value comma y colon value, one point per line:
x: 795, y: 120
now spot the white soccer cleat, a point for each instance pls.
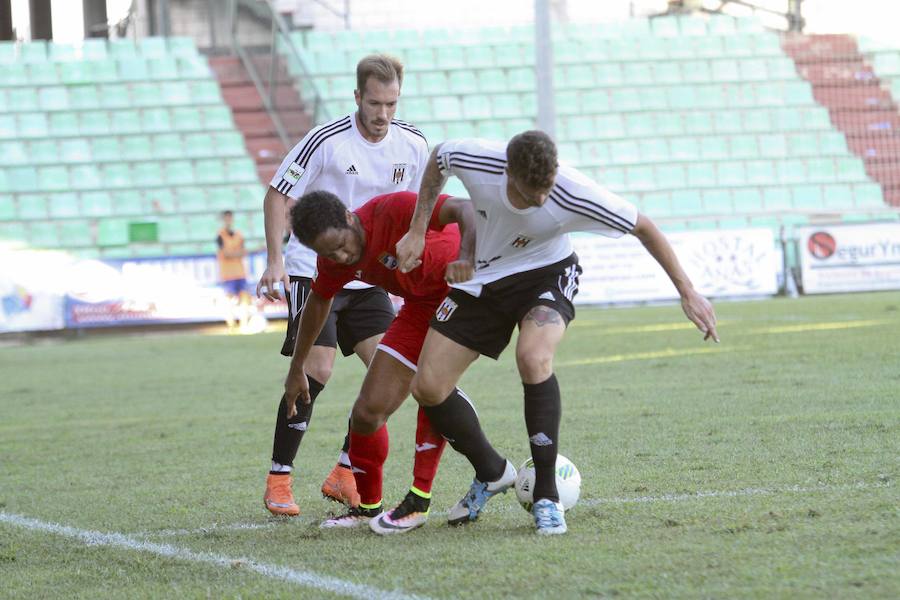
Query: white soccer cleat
x: 549, y: 517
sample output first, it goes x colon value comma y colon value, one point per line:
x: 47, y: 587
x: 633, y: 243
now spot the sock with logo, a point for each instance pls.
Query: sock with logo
x: 289, y: 432
x: 429, y: 447
x: 455, y: 418
x: 367, y: 455
x: 543, y: 410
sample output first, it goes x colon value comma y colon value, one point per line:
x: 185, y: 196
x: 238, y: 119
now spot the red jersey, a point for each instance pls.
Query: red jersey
x: 385, y: 220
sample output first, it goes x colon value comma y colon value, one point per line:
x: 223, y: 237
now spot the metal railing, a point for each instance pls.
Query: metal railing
x: 247, y: 20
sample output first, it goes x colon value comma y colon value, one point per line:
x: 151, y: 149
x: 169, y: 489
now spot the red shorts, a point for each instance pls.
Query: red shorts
x: 404, y: 338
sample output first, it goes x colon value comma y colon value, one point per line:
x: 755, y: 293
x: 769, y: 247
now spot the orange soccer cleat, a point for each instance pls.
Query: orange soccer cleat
x: 279, y: 499
x: 340, y: 486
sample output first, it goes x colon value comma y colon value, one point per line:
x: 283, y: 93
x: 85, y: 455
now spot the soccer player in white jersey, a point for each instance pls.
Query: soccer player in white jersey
x: 527, y: 275
x: 355, y: 157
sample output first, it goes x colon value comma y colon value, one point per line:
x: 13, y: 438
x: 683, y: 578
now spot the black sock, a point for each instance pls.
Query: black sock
x: 346, y: 447
x: 456, y: 420
x: 542, y: 414
x: 289, y: 432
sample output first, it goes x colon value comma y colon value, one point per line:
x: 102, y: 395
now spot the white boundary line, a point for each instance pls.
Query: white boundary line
x: 118, y: 540
x: 700, y: 495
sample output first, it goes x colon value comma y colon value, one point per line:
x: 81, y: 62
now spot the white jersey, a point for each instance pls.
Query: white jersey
x: 336, y: 158
x: 509, y: 240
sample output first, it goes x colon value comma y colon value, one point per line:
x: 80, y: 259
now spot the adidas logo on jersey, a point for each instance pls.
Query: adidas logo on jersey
x: 352, y: 170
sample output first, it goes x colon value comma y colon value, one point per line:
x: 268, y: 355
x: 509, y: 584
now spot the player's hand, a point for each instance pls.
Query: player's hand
x: 268, y: 283
x: 699, y: 310
x: 459, y: 271
x: 295, y: 387
x: 409, y: 251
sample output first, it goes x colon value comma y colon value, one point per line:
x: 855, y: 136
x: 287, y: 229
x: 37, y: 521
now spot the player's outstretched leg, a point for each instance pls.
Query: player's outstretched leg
x: 412, y: 512
x: 279, y: 498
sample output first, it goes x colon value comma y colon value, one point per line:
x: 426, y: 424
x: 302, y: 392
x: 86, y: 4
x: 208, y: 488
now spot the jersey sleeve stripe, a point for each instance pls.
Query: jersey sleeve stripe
x: 595, y: 205
x: 501, y: 162
x: 410, y: 128
x: 316, y: 140
x: 587, y: 211
x: 475, y: 166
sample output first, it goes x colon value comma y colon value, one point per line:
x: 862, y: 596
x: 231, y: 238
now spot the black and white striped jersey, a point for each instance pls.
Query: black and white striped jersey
x: 335, y: 157
x: 511, y: 240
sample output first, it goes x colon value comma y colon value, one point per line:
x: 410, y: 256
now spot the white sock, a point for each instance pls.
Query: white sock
x: 344, y: 459
x: 280, y: 468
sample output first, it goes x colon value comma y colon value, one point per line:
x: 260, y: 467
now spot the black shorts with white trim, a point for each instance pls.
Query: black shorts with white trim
x: 485, y: 324
x: 356, y: 315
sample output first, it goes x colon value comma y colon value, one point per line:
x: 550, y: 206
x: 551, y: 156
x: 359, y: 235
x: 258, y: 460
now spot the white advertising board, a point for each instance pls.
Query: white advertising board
x: 849, y: 258
x: 721, y: 263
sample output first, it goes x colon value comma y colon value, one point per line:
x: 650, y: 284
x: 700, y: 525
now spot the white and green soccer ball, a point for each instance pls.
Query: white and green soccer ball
x: 568, y: 483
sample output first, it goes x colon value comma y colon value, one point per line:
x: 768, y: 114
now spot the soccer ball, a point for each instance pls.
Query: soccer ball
x: 568, y: 483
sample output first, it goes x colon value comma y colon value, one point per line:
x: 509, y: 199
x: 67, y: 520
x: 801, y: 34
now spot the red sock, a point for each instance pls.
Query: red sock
x: 429, y: 447
x: 367, y: 455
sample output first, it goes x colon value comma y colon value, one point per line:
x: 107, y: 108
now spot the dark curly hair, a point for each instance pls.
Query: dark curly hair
x: 315, y: 213
x: 531, y: 158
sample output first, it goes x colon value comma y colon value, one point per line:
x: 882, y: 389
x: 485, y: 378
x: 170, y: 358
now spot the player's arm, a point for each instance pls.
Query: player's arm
x: 460, y: 211
x: 697, y: 308
x: 274, y: 208
x: 411, y: 245
x: 312, y: 320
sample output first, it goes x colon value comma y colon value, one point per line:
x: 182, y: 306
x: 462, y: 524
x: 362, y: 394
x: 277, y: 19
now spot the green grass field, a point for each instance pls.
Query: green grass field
x: 765, y: 466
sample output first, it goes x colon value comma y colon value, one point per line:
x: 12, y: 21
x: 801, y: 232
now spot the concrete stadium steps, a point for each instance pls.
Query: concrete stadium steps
x: 863, y: 109
x: 249, y: 112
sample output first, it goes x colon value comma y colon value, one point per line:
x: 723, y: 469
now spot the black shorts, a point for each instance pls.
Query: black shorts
x: 485, y: 324
x: 355, y: 315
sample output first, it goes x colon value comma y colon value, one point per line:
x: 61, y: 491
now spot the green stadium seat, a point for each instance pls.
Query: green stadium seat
x: 8, y: 54
x: 75, y: 233
x: 32, y: 125
x: 13, y: 153
x: 807, y: 197
x: 421, y: 59
x: 106, y: 148
x: 568, y: 152
x: 122, y: 48
x: 113, y: 95
x: 7, y: 208
x: 850, y: 170
x: 153, y: 47
x: 717, y: 201
x: 117, y: 175
x: 241, y: 170
x: 43, y: 235
x: 127, y: 202
x: 103, y: 71
x: 821, y: 170
x: 666, y: 72
x: 580, y: 128
x: 191, y: 199
x: 216, y: 117
x: 229, y: 143
x: 491, y: 129
x: 773, y: 145
x: 756, y: 120
x: 701, y: 174
x: 462, y: 82
x: 96, y: 204
x: 639, y: 178
x: 837, y: 196
x: 723, y: 122
x: 112, y: 232
x: 136, y: 147
x: 568, y: 102
x: 479, y: 57
x: 681, y: 97
x: 83, y: 97
x: 187, y: 118
x: 867, y: 194
x: 670, y: 176
x: 760, y: 171
x: 165, y: 68
x: 133, y: 69
x: 790, y: 171
x: 160, y: 119
x: 640, y: 124
x: 85, y: 177
x: 731, y: 174
x: 609, y: 126
x: 172, y: 229
x: 832, y: 143
x: 167, y: 145
x: 656, y: 204
x: 24, y: 98
x: 32, y: 207
x: 492, y: 81
x: 182, y: 172
x: 181, y: 92
x: 14, y: 74
x: 450, y: 57
x: 460, y: 129
x: 477, y: 107
x: 221, y: 198
x: 512, y: 55
x: 160, y: 201
x: 700, y: 122
x: 416, y: 109
x: 776, y: 198
x: 33, y: 52
x: 433, y: 83
x: 654, y: 99
x: 769, y: 94
x: 803, y: 144
x: 199, y: 144
x: 747, y: 199
x: 126, y: 121
x: 594, y: 153
x: 447, y: 108
x: 686, y: 202
x: 743, y: 146
x: 53, y: 178
x: 714, y: 148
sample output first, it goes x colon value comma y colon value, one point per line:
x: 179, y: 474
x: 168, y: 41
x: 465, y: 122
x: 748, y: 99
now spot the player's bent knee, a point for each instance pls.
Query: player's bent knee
x: 364, y: 420
x: 534, y: 367
x: 425, y: 392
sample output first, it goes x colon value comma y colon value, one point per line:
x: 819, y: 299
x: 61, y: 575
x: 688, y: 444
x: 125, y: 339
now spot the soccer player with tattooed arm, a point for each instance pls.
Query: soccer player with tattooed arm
x: 526, y: 276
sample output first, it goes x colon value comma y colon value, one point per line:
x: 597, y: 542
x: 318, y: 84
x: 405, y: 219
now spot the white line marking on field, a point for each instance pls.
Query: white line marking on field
x: 118, y: 540
x: 792, y: 489
x: 700, y: 495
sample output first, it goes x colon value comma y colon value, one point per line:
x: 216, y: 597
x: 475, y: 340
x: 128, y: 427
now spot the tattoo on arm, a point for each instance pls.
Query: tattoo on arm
x: 543, y: 315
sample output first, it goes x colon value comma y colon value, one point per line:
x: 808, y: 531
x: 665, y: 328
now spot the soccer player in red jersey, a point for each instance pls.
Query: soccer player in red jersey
x: 360, y: 245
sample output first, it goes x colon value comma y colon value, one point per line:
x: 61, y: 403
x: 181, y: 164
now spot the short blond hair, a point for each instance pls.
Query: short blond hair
x: 383, y: 67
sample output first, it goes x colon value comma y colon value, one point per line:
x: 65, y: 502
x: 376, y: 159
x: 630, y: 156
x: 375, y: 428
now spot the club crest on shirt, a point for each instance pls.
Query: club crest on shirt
x: 387, y: 260
x: 399, y: 172
x: 445, y: 310
x: 521, y: 241
x: 358, y: 274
